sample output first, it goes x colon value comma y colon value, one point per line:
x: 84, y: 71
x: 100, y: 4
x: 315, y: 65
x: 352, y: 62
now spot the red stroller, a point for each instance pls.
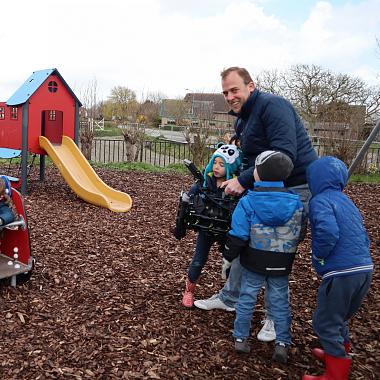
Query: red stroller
x: 16, y: 262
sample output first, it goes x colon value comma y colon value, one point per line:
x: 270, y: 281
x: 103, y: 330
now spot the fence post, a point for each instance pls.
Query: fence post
x: 141, y: 150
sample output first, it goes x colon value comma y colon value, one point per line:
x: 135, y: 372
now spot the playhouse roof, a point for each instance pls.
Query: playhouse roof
x: 32, y: 84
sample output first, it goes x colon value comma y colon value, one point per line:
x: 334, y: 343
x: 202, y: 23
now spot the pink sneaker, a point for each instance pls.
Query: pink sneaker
x: 188, y: 296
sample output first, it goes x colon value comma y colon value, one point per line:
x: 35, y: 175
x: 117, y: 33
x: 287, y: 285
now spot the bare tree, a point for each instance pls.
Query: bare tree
x: 90, y: 105
x: 303, y: 85
x: 198, y: 131
x: 195, y: 118
x: 123, y: 103
x: 270, y: 81
x: 178, y: 110
x: 340, y: 129
x: 371, y: 98
x: 125, y: 110
x: 306, y: 87
x: 311, y: 88
x: 338, y: 108
x: 134, y: 135
x: 150, y: 108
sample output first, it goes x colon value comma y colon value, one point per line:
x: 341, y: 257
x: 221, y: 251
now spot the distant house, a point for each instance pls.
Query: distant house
x: 339, y: 119
x: 195, y: 107
x: 174, y: 111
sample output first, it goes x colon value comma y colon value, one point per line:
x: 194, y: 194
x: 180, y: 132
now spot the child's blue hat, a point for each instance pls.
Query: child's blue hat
x: 231, y: 156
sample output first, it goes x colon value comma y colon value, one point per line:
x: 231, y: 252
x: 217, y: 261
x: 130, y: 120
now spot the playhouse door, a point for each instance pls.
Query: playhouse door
x: 52, y: 125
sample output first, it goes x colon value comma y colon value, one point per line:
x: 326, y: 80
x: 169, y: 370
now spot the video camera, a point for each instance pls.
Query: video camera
x: 204, y: 211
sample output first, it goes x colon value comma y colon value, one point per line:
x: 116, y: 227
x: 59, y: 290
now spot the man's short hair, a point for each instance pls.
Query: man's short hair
x: 242, y: 72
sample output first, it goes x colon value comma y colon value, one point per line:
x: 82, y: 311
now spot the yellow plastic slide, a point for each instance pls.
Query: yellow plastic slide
x: 81, y: 177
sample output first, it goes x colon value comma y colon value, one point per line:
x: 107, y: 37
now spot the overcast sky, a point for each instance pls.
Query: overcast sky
x: 169, y: 46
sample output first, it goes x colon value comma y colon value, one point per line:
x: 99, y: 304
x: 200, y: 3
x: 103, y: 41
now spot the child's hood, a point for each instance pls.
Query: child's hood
x: 273, y: 209
x: 326, y: 173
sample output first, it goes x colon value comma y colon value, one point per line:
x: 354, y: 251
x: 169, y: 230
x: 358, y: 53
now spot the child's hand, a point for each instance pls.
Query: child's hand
x: 225, y: 266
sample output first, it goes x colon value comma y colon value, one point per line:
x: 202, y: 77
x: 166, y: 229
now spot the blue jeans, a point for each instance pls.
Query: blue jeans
x: 202, y: 250
x: 338, y: 299
x: 6, y: 214
x: 277, y: 291
x: 229, y: 294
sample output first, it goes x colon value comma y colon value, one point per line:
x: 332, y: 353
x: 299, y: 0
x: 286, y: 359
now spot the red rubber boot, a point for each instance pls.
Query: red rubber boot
x: 319, y: 354
x: 336, y: 369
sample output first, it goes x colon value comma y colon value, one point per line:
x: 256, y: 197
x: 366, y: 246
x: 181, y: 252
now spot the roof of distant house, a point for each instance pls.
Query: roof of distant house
x: 173, y: 108
x: 220, y: 105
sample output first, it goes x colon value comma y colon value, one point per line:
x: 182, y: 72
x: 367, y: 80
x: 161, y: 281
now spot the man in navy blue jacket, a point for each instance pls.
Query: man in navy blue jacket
x: 264, y: 122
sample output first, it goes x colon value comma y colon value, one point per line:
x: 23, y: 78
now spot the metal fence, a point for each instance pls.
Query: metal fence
x: 164, y: 153
x: 159, y: 153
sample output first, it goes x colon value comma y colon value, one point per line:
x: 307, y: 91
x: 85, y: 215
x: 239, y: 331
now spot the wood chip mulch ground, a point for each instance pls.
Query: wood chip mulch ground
x: 104, y: 300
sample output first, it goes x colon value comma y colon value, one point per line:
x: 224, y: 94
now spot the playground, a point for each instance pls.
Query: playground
x: 96, y: 284
x: 104, y: 299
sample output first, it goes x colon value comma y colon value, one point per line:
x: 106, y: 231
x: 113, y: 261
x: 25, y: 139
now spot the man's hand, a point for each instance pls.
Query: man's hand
x: 233, y: 187
x: 225, y: 266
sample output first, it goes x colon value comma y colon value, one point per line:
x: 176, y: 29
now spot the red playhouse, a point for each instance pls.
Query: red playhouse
x: 36, y: 109
x: 42, y: 117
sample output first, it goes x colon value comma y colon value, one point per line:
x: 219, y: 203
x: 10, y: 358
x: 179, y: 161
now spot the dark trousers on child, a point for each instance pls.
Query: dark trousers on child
x: 338, y: 299
x: 202, y: 250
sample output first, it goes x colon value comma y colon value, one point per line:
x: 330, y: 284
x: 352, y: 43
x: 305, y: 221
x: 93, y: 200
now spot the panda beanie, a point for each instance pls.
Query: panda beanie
x: 231, y: 157
x: 273, y: 166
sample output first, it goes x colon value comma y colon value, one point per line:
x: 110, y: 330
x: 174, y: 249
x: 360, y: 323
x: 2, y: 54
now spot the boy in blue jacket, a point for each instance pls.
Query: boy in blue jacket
x: 266, y: 230
x: 340, y: 254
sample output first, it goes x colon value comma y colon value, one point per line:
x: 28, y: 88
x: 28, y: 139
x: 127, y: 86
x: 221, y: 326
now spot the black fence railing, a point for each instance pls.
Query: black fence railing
x: 159, y: 153
x: 164, y: 153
